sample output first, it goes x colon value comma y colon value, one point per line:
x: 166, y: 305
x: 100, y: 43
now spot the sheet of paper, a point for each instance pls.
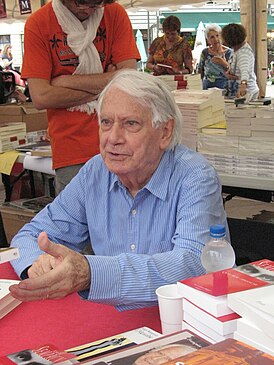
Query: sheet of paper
x: 7, y: 160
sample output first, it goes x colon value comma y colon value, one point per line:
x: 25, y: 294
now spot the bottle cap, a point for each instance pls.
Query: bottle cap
x: 217, y: 230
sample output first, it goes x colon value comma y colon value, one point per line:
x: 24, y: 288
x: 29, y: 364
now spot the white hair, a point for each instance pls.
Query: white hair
x: 149, y: 91
x: 212, y: 26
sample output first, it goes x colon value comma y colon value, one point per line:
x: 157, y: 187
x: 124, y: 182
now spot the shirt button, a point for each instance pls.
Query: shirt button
x: 132, y: 247
x: 134, y: 211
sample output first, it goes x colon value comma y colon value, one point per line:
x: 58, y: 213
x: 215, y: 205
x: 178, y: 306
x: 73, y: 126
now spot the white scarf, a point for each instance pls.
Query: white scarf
x: 80, y: 39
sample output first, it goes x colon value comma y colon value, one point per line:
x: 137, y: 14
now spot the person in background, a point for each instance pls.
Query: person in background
x: 6, y: 61
x: 214, y: 59
x: 241, y: 63
x: 7, y: 58
x: 171, y: 49
x: 72, y: 49
x: 196, y: 54
x: 145, y: 203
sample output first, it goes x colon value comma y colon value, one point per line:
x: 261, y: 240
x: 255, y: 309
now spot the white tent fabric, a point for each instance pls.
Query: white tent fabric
x: 156, y: 4
x: 200, y: 35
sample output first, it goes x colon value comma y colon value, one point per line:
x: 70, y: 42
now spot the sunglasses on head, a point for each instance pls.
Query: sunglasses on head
x: 93, y: 5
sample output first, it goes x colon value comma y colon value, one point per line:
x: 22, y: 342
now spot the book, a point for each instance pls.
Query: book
x: 250, y: 331
x: 46, y: 354
x: 8, y: 254
x: 229, y: 351
x: 187, y: 327
x: 211, y: 289
x: 160, y: 350
x: 257, y: 306
x: 254, y: 342
x: 111, y: 344
x: 162, y: 65
x: 7, y: 301
x: 205, y: 328
x: 223, y: 325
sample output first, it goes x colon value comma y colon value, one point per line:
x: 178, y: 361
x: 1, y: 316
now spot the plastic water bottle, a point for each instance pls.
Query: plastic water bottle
x: 217, y: 254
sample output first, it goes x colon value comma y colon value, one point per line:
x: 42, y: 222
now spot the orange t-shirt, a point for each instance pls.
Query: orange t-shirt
x: 74, y: 135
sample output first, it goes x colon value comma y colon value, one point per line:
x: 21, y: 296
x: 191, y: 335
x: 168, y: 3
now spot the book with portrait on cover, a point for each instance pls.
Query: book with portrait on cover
x: 158, y: 351
x: 229, y: 351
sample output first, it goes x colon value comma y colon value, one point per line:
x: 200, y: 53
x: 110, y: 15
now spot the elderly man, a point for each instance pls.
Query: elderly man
x: 145, y: 204
x: 72, y: 49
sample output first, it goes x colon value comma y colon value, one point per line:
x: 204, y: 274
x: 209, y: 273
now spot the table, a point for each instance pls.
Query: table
x: 66, y: 322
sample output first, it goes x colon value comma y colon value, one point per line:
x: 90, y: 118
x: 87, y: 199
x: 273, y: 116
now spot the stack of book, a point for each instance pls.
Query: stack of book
x: 246, y: 146
x: 263, y: 125
x: 256, y: 307
x: 182, y: 82
x: 7, y: 301
x: 205, y: 298
x: 8, y: 254
x: 12, y: 135
x: 199, y: 109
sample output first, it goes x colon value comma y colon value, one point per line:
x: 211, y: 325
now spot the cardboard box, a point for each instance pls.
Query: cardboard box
x: 35, y: 119
x: 17, y: 213
x: 14, y: 219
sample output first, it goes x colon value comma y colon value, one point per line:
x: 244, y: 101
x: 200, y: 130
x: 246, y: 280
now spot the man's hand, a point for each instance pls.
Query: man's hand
x: 55, y: 274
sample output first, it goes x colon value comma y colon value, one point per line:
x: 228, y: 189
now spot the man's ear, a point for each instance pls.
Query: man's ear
x: 167, y: 133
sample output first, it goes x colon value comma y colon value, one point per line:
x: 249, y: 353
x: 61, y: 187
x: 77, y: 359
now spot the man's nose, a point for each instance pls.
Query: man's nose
x: 117, y: 133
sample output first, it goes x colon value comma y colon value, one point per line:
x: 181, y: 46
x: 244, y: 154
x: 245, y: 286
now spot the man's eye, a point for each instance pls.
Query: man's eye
x: 106, y: 123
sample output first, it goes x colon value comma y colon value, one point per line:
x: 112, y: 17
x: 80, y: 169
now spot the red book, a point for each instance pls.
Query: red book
x: 210, y: 291
x: 244, y: 277
x: 46, y: 354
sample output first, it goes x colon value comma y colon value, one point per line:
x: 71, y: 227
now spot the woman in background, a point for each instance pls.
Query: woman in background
x: 6, y: 63
x: 171, y: 49
x: 241, y: 62
x: 213, y: 63
x: 7, y: 57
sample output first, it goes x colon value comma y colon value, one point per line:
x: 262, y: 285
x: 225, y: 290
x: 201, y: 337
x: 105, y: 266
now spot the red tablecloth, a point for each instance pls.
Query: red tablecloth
x: 66, y: 322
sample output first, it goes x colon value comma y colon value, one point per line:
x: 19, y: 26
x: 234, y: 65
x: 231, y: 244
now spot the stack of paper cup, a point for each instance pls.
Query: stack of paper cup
x: 171, y: 308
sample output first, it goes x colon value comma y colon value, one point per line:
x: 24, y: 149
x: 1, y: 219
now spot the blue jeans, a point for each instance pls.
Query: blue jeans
x: 219, y: 83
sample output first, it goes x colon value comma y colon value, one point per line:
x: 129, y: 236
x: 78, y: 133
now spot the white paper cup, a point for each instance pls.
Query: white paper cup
x: 170, y: 307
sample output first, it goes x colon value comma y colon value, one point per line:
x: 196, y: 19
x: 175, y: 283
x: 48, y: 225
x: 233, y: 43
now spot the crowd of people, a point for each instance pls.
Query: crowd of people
x: 126, y: 187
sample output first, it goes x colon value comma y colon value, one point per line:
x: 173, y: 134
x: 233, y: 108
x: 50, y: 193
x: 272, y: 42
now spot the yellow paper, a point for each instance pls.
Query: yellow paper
x: 7, y: 160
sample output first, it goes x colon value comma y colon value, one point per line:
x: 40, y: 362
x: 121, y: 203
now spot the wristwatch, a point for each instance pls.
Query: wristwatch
x: 244, y: 82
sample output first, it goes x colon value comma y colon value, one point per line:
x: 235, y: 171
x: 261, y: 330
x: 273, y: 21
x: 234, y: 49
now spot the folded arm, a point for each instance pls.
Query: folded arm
x: 71, y: 90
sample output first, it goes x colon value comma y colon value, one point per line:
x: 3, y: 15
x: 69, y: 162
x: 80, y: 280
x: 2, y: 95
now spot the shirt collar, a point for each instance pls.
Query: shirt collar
x: 158, y: 184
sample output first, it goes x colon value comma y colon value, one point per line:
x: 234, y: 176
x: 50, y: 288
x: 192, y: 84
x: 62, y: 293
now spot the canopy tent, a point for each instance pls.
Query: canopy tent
x: 172, y: 4
x: 156, y: 4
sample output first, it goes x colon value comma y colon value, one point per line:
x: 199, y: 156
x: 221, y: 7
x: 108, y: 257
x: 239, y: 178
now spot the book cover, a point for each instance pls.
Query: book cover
x: 161, y: 354
x: 8, y: 254
x: 222, y: 325
x: 183, y: 341
x: 7, y: 301
x: 229, y: 351
x: 44, y: 355
x: 114, y: 343
x: 244, y: 277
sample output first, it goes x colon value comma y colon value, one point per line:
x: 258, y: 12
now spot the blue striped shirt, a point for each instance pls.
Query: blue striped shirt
x: 140, y: 243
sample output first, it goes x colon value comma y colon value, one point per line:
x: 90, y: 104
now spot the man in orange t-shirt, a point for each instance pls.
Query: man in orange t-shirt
x: 50, y: 60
